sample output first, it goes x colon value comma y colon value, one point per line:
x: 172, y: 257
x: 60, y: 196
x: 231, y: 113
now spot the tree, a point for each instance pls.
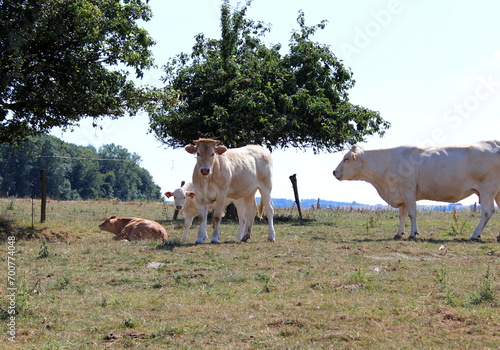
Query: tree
x: 60, y: 60
x: 240, y: 91
x: 74, y: 172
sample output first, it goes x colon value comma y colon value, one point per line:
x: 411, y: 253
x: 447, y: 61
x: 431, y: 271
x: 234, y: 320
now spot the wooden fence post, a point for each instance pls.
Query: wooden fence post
x: 293, y: 179
x: 43, y: 187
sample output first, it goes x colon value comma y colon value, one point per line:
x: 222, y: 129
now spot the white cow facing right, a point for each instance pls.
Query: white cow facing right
x: 184, y: 199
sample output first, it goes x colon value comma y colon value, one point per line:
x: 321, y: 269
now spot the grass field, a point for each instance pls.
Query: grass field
x: 337, y: 280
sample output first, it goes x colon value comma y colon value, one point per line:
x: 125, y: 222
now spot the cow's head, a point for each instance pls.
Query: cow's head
x: 109, y: 224
x: 180, y: 196
x: 206, y: 150
x: 350, y: 166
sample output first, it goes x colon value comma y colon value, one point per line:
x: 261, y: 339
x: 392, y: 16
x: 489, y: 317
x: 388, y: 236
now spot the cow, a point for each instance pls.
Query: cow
x: 133, y: 229
x: 184, y: 199
x: 406, y: 174
x: 237, y: 173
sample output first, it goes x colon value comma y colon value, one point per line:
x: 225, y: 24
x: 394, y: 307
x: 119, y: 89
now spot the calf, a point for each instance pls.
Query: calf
x: 404, y: 175
x: 184, y: 199
x: 133, y: 228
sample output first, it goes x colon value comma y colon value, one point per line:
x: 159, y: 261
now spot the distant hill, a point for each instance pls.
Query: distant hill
x: 324, y: 204
x: 308, y: 203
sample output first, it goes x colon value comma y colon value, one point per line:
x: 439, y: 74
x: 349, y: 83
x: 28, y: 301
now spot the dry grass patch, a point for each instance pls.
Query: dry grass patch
x: 335, y: 281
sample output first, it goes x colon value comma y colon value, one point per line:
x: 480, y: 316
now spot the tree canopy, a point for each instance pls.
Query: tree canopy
x: 239, y: 90
x: 63, y: 60
x: 74, y: 172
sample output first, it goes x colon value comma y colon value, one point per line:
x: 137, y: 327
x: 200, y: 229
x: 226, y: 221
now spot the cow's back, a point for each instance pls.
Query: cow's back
x: 250, y: 168
x: 146, y: 229
x: 456, y: 172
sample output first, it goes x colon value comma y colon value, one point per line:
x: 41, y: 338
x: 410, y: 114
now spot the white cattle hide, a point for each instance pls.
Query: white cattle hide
x: 221, y: 174
x: 406, y: 174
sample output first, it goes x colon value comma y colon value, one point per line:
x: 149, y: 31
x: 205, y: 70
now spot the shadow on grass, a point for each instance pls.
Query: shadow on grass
x: 176, y: 243
x: 423, y: 240
x: 9, y: 228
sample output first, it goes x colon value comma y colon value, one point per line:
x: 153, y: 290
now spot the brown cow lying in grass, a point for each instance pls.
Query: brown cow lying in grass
x: 133, y: 229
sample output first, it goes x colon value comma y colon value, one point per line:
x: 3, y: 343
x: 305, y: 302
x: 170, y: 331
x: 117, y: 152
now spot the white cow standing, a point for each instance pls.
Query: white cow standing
x: 221, y: 174
x: 184, y: 199
x: 406, y: 174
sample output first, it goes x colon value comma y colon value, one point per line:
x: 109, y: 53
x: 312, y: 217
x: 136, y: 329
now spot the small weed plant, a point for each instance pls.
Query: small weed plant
x: 486, y: 292
x: 44, y: 250
x: 442, y: 279
x: 458, y: 227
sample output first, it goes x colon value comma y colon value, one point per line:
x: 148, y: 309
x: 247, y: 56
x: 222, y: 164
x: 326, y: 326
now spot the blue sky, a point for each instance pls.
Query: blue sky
x: 430, y: 68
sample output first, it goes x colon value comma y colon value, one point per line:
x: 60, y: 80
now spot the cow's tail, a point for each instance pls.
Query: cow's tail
x: 261, y: 209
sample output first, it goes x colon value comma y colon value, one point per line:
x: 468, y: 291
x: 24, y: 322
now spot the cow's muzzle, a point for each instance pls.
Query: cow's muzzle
x: 205, y: 171
x: 178, y: 207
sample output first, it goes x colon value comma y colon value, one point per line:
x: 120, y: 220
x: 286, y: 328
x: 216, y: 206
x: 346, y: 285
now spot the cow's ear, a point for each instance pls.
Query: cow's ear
x: 168, y: 194
x: 190, y: 149
x: 190, y: 194
x: 354, y: 151
x: 220, y: 149
x: 113, y: 219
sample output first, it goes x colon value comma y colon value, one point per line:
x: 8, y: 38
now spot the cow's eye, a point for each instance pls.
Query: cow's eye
x: 213, y: 154
x: 346, y: 159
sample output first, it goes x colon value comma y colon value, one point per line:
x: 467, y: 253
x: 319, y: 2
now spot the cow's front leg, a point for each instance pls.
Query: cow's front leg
x: 202, y: 231
x: 403, y: 213
x: 412, y: 213
x: 217, y: 215
x: 487, y: 210
x: 188, y: 221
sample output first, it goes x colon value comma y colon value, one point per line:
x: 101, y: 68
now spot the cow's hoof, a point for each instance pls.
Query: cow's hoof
x: 477, y: 239
x: 397, y: 237
x: 214, y: 242
x: 271, y: 240
x: 245, y: 238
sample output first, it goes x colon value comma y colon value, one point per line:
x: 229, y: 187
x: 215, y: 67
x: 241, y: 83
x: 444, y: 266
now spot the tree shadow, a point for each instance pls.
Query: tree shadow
x: 10, y: 228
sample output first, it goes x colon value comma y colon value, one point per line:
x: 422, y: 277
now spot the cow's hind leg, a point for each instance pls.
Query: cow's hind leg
x: 250, y: 211
x: 497, y: 199
x: 240, y: 208
x: 487, y: 210
x: 268, y: 203
x: 217, y: 216
x: 403, y: 213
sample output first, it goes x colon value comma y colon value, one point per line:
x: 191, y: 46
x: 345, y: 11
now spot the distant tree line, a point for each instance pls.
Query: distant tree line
x: 74, y: 172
